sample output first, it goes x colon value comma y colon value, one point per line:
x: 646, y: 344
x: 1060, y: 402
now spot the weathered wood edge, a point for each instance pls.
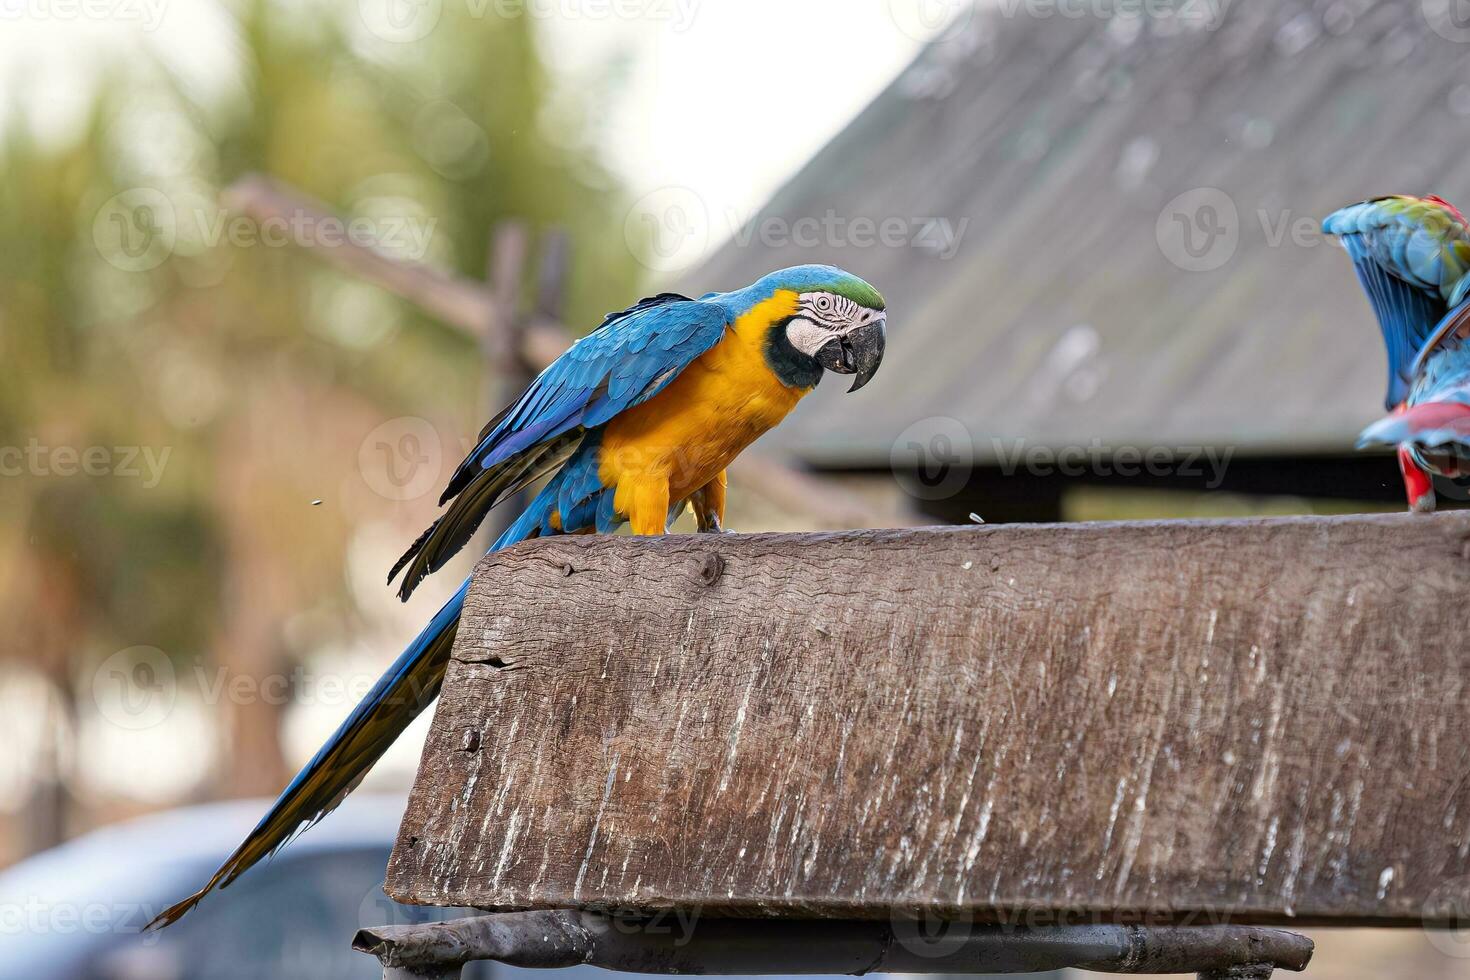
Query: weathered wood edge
x: 1419, y: 544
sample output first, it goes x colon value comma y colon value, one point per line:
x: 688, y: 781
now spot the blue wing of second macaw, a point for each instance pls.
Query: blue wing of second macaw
x: 1411, y: 255
x: 630, y: 358
x: 1456, y: 324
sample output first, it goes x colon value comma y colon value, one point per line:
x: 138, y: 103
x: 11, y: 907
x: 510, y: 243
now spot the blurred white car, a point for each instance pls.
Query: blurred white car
x: 78, y: 910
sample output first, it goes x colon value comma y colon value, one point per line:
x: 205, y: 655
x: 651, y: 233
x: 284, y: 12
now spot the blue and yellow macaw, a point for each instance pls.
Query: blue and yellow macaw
x: 635, y: 422
x: 1413, y: 259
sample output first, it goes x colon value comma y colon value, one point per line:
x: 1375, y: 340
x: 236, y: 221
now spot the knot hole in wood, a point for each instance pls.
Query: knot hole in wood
x: 709, y: 568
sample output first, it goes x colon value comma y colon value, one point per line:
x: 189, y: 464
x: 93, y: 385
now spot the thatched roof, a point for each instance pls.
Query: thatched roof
x: 1058, y: 142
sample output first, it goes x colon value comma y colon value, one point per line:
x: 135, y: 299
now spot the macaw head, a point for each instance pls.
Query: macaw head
x: 838, y: 325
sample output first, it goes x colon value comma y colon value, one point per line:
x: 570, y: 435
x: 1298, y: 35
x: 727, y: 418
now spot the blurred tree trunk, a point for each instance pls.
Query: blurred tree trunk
x: 251, y: 686
x: 252, y: 693
x: 61, y: 625
x: 48, y: 811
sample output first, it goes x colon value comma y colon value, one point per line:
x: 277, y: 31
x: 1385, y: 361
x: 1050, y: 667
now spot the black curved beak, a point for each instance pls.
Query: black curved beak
x: 857, y: 352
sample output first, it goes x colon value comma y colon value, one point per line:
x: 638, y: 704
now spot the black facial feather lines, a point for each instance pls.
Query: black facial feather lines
x: 829, y: 310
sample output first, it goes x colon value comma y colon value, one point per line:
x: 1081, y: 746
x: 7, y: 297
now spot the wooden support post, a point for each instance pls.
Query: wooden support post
x: 551, y: 277
x: 1251, y: 722
x: 506, y: 370
x: 506, y: 269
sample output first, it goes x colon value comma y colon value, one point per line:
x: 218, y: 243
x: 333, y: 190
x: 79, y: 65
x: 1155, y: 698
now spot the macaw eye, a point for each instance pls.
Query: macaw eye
x: 824, y: 303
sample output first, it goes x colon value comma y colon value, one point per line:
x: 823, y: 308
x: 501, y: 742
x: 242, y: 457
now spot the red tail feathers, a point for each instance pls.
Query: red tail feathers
x: 1417, y: 483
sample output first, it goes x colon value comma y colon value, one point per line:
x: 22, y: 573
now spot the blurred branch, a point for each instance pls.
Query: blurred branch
x: 477, y: 310
x: 464, y: 304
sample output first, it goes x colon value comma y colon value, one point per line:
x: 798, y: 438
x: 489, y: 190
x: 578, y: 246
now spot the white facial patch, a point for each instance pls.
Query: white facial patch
x: 807, y: 336
x: 824, y: 316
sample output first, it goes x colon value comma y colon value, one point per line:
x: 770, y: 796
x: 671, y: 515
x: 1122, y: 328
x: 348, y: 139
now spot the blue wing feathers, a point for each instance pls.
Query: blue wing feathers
x: 607, y: 518
x: 1406, y: 315
x: 407, y: 687
x: 627, y: 360
x: 621, y: 352
x: 1407, y: 256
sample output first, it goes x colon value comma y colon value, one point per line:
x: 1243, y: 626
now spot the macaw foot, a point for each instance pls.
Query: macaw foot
x: 710, y: 524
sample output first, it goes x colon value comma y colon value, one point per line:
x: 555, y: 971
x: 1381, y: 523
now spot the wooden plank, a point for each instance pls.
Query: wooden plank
x: 1265, y: 719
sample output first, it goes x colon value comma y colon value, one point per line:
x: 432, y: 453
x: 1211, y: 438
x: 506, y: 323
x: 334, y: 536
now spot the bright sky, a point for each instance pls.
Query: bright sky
x: 727, y: 97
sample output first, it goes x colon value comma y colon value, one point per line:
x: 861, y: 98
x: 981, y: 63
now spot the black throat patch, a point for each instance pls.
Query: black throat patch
x: 793, y: 368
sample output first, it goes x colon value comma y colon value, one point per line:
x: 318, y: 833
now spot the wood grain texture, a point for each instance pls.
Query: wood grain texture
x: 1265, y: 720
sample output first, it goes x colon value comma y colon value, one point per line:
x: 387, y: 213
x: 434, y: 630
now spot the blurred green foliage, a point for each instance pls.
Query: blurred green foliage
x: 257, y: 370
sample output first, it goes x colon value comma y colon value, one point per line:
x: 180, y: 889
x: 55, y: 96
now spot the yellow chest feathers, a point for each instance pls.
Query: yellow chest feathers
x: 689, y: 432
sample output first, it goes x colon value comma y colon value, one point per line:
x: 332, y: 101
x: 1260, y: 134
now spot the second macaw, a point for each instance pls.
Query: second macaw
x: 1413, y: 259
x: 635, y: 422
